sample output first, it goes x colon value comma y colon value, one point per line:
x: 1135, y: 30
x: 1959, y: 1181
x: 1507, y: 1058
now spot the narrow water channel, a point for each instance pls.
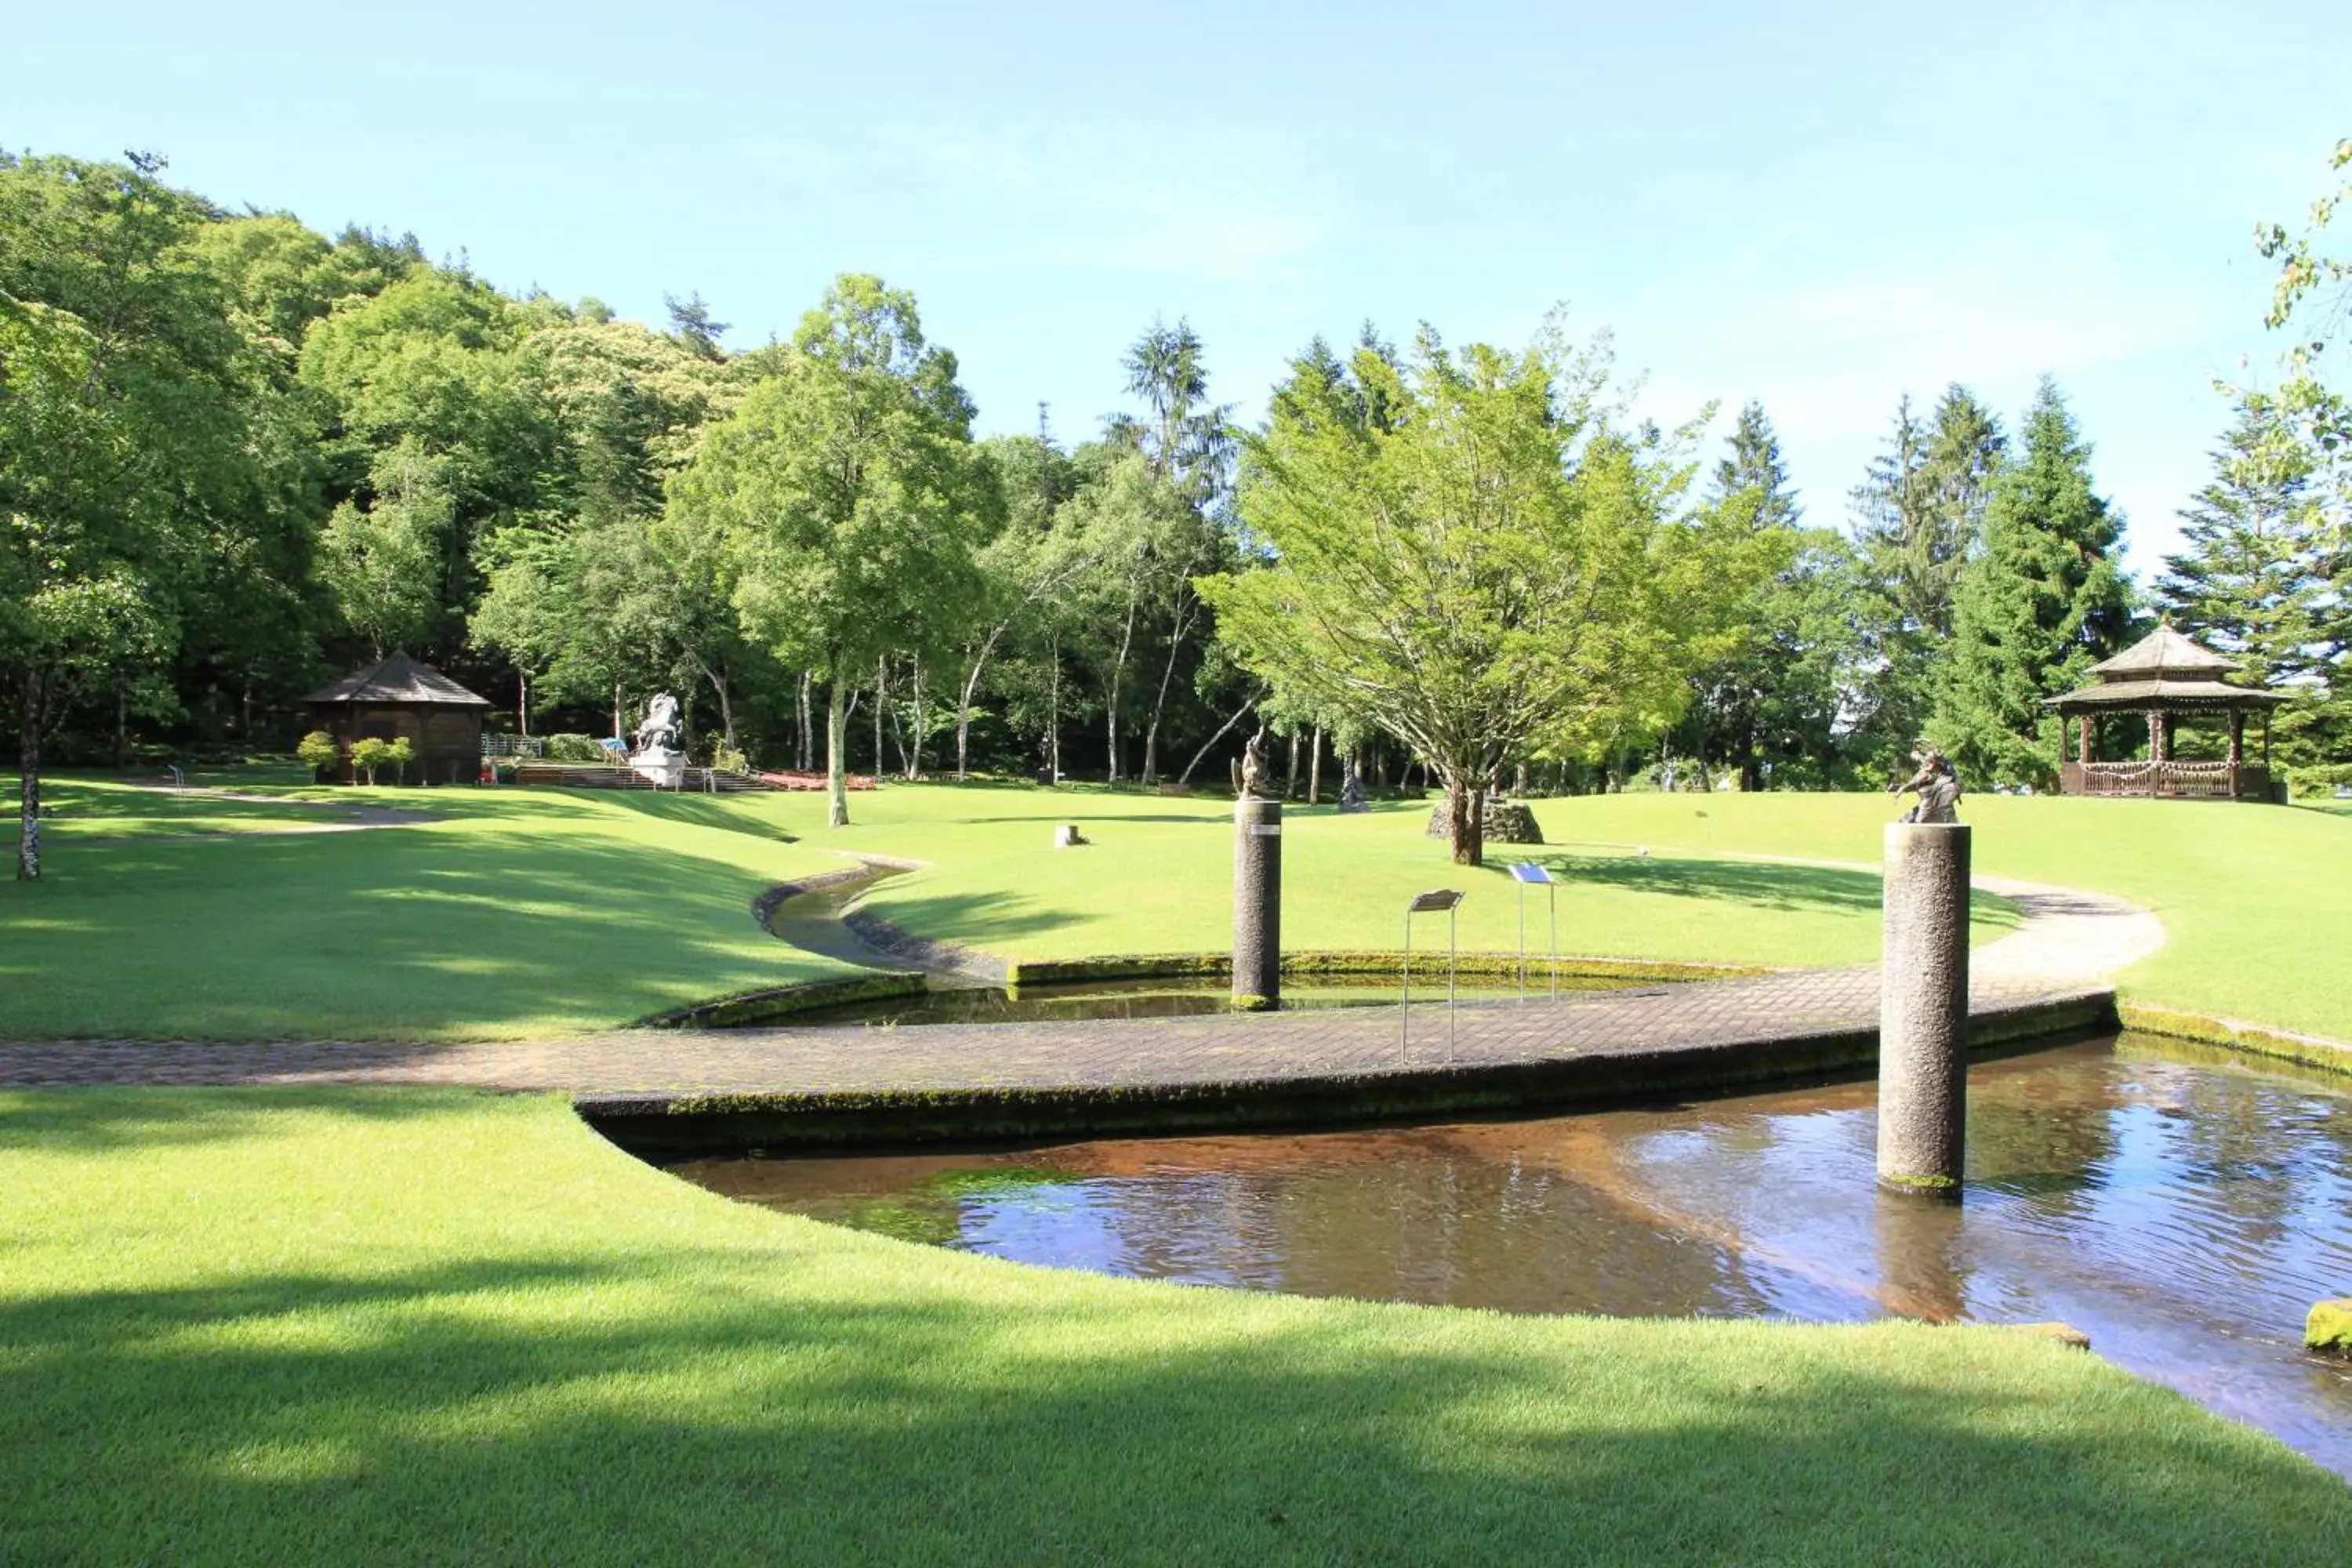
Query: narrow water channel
x: 2181, y: 1208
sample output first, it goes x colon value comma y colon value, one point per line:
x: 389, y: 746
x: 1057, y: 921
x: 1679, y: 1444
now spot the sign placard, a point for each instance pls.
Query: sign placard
x: 1266, y: 830
x: 1528, y: 871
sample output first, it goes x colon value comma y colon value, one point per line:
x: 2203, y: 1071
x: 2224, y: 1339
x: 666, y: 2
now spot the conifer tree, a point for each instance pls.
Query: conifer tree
x: 2251, y: 581
x: 2038, y: 603
x: 1918, y: 514
x: 1776, y: 698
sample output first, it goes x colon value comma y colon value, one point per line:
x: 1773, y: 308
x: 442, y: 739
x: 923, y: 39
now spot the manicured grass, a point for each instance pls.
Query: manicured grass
x: 528, y: 911
x: 2256, y: 901
x: 1157, y: 877
x: 533, y: 910
x: 522, y: 912
x: 384, y: 1326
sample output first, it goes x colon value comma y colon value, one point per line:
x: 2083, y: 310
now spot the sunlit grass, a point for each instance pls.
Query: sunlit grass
x: 372, y: 1326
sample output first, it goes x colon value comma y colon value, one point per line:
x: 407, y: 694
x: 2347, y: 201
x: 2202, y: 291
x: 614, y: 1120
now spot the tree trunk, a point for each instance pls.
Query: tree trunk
x: 1118, y: 678
x: 1182, y: 624
x: 836, y: 755
x: 122, y: 729
x: 1314, y: 768
x: 1466, y: 814
x: 726, y: 703
x: 808, y: 726
x: 1223, y: 731
x: 28, y: 764
x: 617, y: 731
x: 1290, y: 777
x: 881, y: 697
x: 914, y: 753
x: 522, y: 701
x: 1054, y: 707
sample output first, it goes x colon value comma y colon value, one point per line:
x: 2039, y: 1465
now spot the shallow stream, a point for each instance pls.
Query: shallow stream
x: 2183, y: 1210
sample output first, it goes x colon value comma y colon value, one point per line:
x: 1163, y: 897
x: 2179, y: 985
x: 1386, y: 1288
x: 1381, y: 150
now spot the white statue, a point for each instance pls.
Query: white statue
x: 656, y: 755
x: 660, y: 726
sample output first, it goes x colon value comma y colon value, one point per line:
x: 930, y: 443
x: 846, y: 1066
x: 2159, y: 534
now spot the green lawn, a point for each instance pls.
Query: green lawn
x: 386, y: 1326
x: 534, y: 910
x: 523, y: 911
x: 531, y: 910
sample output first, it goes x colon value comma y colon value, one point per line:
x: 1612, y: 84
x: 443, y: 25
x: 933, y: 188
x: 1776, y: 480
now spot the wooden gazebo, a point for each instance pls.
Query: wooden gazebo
x: 2162, y: 678
x: 441, y: 719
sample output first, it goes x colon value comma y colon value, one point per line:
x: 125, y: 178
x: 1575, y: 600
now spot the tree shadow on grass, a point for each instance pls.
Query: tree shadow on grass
x: 1763, y: 885
x: 983, y: 921
x: 815, y: 1400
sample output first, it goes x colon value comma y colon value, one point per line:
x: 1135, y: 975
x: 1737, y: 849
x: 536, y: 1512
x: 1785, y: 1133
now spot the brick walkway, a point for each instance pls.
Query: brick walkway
x: 2052, y: 965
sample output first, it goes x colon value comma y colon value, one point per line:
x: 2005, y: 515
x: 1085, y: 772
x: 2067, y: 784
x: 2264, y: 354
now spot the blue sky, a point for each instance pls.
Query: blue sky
x: 1819, y: 209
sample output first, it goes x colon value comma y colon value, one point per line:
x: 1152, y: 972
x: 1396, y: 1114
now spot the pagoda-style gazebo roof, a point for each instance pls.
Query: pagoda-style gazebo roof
x: 399, y: 679
x: 2165, y: 675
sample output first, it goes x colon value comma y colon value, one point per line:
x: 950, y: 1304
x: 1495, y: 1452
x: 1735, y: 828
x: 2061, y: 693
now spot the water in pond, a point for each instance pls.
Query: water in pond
x: 2182, y: 1210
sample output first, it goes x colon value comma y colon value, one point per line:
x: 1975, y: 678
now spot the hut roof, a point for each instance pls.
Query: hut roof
x: 399, y: 679
x: 2163, y: 694
x: 2164, y: 654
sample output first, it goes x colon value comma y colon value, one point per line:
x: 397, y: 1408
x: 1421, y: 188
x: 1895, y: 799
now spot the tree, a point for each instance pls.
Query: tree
x: 847, y: 490
x: 2250, y: 580
x: 1492, y: 568
x: 124, y: 439
x: 2311, y: 298
x: 2042, y: 602
x: 1774, y: 695
x: 383, y: 566
x: 1918, y: 515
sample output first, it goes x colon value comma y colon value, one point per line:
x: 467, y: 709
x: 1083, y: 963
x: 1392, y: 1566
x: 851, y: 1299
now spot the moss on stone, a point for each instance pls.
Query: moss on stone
x: 2329, y: 1327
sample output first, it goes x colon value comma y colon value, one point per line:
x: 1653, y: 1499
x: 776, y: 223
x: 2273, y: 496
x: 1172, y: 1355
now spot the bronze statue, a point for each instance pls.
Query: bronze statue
x: 1249, y: 772
x: 1936, y: 783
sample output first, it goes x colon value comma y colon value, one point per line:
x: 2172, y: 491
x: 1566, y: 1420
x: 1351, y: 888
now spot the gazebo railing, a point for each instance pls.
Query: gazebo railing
x: 2168, y: 780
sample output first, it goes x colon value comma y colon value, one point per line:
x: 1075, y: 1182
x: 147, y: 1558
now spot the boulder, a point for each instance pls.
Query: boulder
x: 1507, y: 822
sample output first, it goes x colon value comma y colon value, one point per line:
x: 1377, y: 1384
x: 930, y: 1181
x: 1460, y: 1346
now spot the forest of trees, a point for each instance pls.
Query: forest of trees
x: 238, y: 457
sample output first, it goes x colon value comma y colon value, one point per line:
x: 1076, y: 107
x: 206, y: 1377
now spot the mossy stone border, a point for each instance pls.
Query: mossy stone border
x: 1374, y: 962
x: 2251, y: 1039
x: 678, y: 1124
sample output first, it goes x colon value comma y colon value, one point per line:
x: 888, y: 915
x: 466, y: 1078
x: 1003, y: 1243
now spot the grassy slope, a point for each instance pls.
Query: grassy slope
x: 1158, y: 878
x: 524, y: 911
x: 287, y: 1326
x: 2256, y: 901
x: 531, y: 910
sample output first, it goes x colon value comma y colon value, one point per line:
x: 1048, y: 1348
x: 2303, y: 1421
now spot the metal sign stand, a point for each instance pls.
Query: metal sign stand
x: 1525, y: 873
x: 1431, y: 903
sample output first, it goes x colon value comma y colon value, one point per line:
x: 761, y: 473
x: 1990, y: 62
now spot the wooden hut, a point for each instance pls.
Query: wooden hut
x: 441, y: 719
x: 2162, y: 679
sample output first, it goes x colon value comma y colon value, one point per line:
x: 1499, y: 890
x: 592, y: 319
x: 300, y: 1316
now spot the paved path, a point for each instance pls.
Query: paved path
x: 2067, y: 945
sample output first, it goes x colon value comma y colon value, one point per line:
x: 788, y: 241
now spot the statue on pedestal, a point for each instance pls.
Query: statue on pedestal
x: 1936, y: 784
x: 1249, y: 771
x: 656, y: 755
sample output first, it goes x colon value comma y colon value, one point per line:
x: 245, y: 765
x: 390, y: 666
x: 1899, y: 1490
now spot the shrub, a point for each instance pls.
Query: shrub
x: 400, y: 753
x: 2309, y: 784
x: 369, y: 754
x: 573, y: 749
x: 729, y: 759
x: 319, y: 753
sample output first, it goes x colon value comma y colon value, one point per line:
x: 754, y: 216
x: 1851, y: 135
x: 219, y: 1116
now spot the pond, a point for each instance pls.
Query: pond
x: 2183, y: 1210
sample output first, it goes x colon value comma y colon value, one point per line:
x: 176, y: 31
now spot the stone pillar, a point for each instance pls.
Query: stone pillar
x: 1923, y: 1009
x: 1257, y: 902
x: 2237, y: 737
x: 2083, y: 752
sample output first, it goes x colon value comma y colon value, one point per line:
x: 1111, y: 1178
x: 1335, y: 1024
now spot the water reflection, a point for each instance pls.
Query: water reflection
x: 2182, y: 1209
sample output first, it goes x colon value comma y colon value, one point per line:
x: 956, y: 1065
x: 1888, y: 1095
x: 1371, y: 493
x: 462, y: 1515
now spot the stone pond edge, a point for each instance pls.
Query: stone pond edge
x: 702, y: 1121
